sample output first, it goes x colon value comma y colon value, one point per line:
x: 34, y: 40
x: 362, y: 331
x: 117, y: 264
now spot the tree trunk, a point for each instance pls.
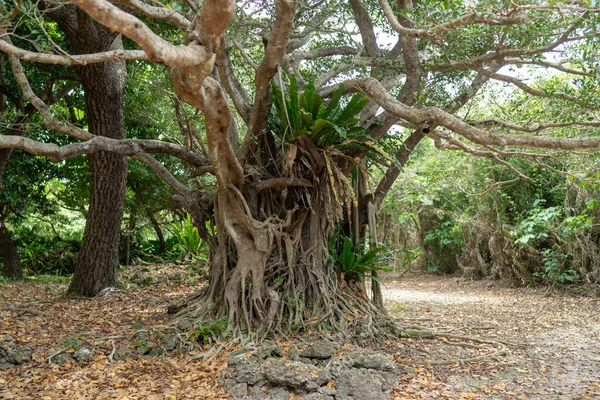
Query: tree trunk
x: 99, y: 255
x: 8, y: 250
x: 129, y: 238
x: 8, y: 254
x: 274, y: 274
x: 159, y: 233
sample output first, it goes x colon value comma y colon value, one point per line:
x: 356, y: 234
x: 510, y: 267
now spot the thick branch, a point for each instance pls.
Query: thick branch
x: 365, y: 26
x: 154, y: 12
x: 536, y: 128
x: 458, y: 145
x: 439, y: 117
x: 158, y: 49
x: 232, y: 85
x: 126, y: 147
x: 282, y: 182
x: 284, y: 22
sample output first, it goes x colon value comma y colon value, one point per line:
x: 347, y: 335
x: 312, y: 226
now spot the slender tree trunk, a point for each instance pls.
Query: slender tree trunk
x: 159, y: 233
x: 99, y: 255
x: 375, y: 286
x: 129, y: 239
x: 8, y: 254
x: 8, y: 251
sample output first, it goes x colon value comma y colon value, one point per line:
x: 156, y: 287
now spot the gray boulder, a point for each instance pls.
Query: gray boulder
x: 365, y: 384
x: 61, y: 358
x: 320, y: 350
x: 271, y: 393
x: 294, y: 374
x: 83, y: 355
x: 375, y: 361
x: 245, y: 369
x: 122, y: 353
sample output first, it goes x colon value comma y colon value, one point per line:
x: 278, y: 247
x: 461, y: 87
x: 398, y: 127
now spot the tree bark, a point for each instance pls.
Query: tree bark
x: 99, y: 255
x: 8, y: 254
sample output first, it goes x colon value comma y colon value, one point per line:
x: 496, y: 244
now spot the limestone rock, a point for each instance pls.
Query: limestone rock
x: 375, y: 361
x: 61, y: 358
x: 320, y: 350
x: 294, y: 374
x: 83, y: 354
x: 365, y: 384
x: 122, y: 353
x: 246, y: 369
x: 316, y: 396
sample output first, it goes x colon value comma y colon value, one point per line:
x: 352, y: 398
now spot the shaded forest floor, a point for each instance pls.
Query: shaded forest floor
x: 552, y: 343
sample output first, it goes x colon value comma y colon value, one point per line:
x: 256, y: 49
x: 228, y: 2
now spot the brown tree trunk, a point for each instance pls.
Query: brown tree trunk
x: 99, y: 255
x: 8, y: 251
x: 8, y: 254
x: 159, y: 233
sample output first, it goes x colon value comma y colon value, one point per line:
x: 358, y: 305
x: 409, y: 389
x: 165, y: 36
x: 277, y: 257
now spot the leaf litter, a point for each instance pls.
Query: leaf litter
x: 550, y: 345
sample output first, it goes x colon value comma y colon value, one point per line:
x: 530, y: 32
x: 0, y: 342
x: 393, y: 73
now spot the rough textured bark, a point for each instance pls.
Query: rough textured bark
x: 99, y: 255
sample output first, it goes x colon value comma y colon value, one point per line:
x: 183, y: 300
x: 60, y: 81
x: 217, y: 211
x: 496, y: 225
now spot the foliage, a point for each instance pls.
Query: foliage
x: 297, y: 114
x: 207, y: 330
x: 533, y: 229
x: 353, y: 261
x: 556, y: 268
x: 42, y: 254
x: 189, y: 240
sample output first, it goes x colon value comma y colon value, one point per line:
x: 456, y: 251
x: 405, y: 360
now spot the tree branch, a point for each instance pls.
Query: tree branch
x: 468, y: 19
x: 439, y: 117
x: 365, y: 26
x: 79, y: 59
x: 161, y: 13
x: 126, y: 147
x: 276, y: 49
x: 157, y: 49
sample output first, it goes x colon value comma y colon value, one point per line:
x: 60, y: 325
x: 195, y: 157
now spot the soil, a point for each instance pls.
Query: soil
x: 546, y: 347
x: 553, y: 341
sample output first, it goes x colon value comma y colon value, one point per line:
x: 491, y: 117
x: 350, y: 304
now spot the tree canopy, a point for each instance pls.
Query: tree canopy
x: 278, y: 110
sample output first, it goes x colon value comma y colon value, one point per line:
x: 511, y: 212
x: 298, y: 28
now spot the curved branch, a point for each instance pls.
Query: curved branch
x: 232, y: 85
x: 439, y: 117
x: 512, y: 52
x: 458, y: 145
x: 468, y: 19
x: 323, y: 52
x: 537, y: 128
x: 282, y: 182
x: 365, y: 26
x: 161, y: 13
x: 546, y: 64
x: 158, y: 49
x: 528, y: 89
x: 43, y: 109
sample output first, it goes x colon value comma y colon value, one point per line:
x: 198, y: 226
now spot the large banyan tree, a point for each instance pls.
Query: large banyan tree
x: 296, y: 96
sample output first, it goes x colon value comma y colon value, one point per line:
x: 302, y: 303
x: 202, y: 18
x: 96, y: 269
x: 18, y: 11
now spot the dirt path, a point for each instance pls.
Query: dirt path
x: 560, y: 337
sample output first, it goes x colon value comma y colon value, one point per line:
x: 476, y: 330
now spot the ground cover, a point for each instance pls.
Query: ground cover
x: 485, y: 341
